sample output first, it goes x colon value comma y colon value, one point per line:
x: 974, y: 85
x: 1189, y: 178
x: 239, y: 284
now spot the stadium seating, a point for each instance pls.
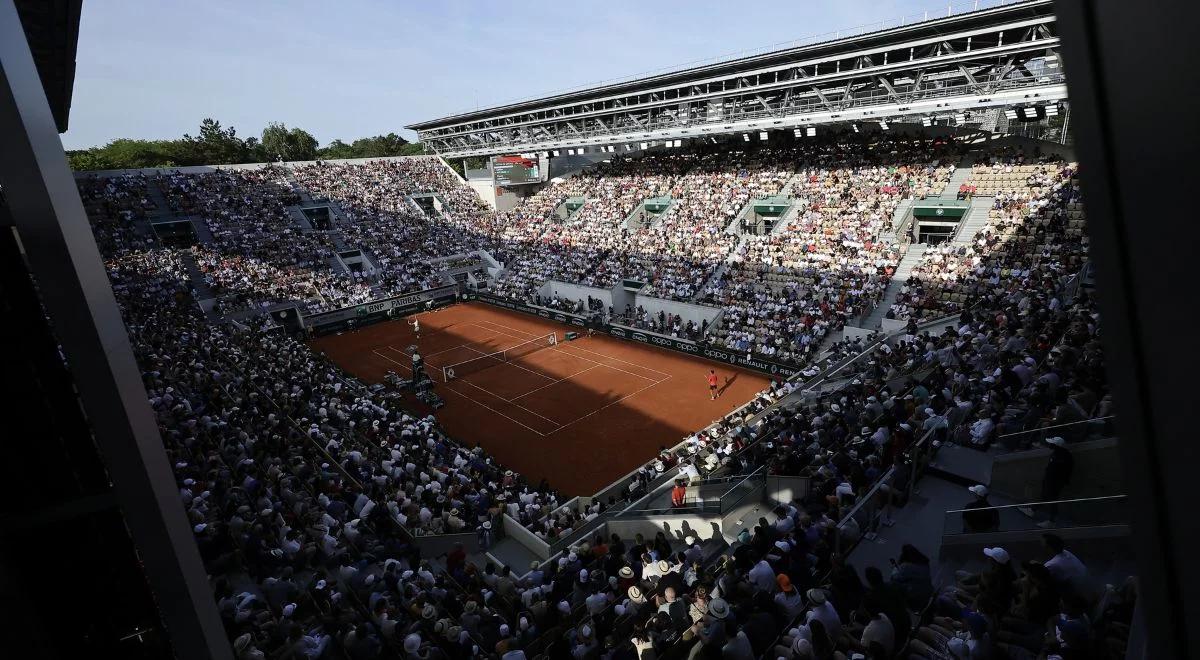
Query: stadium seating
x: 306, y: 489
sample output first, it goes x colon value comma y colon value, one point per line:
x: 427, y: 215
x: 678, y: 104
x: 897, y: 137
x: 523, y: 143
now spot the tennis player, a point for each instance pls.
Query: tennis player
x: 713, y: 393
x: 416, y: 326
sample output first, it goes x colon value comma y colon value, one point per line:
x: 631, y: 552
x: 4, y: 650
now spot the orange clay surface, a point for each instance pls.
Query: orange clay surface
x: 581, y: 414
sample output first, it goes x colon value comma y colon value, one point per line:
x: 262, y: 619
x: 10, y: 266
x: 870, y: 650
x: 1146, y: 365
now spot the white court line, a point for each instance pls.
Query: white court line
x: 564, y: 352
x: 481, y: 389
x: 390, y: 359
x: 611, y: 404
x: 535, y: 373
x: 611, y: 357
x: 452, y: 348
x: 427, y: 362
x: 555, y: 383
x: 476, y: 402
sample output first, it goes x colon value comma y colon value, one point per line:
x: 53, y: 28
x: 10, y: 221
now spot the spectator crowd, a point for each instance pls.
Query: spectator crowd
x: 308, y: 491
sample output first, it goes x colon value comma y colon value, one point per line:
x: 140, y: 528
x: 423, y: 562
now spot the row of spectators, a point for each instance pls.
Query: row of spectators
x: 1026, y: 243
x: 296, y: 481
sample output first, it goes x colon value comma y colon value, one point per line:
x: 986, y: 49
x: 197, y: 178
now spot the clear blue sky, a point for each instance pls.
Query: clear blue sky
x: 353, y: 68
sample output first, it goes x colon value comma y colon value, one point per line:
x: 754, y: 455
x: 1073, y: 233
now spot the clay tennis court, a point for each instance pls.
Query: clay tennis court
x: 578, y: 413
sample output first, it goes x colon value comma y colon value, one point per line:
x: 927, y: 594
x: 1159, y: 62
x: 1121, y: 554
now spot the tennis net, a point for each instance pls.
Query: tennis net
x: 460, y: 369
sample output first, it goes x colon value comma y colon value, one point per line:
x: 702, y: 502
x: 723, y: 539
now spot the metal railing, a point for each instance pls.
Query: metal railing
x: 777, y: 110
x: 952, y: 9
x: 1054, y: 514
x: 743, y: 486
x: 1086, y: 429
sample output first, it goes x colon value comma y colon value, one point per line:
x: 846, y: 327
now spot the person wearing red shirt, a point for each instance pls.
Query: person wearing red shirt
x: 712, y: 385
x: 678, y: 493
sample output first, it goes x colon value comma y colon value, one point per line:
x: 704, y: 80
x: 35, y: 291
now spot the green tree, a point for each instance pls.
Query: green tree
x: 215, y: 145
x: 88, y: 159
x: 379, y: 146
x: 280, y: 143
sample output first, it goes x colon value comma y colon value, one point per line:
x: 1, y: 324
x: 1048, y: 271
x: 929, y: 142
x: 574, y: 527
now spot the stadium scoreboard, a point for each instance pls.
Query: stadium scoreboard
x: 518, y: 170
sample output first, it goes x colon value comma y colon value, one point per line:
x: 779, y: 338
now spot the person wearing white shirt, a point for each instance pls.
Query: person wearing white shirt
x: 823, y: 611
x: 762, y: 576
x: 1064, y: 565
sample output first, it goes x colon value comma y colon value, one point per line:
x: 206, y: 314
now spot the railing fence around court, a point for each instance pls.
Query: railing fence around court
x: 1048, y: 515
x: 1080, y: 431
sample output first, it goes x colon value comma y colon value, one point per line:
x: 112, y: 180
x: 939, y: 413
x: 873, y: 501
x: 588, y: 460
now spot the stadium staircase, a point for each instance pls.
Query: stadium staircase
x: 791, y: 184
x: 976, y: 218
x: 899, y: 278
x: 305, y: 197
x: 196, y: 278
x: 962, y: 172
x: 900, y: 218
x: 719, y: 272
x: 203, y: 234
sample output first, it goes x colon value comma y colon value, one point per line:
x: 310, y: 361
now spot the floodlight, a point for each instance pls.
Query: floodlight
x: 883, y: 125
x: 762, y: 135
x: 812, y: 131
x: 1030, y: 112
x: 1052, y: 110
x: 679, y: 143
x: 798, y: 132
x: 855, y: 127
x: 555, y: 152
x: 926, y: 122
x: 746, y: 137
x: 1011, y: 113
x: 960, y: 118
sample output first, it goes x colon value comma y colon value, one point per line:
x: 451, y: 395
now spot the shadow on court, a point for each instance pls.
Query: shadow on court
x: 580, y: 414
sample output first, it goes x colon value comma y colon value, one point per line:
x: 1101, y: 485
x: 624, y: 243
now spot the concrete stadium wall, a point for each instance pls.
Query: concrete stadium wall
x: 675, y: 527
x: 485, y: 190
x: 1097, y: 472
x: 1093, y: 545
x: 436, y: 546
x: 575, y: 291
x: 786, y: 489
x: 850, y: 332
x: 515, y: 531
x: 686, y: 311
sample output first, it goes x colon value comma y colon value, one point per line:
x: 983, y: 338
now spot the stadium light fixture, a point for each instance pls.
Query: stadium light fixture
x: 960, y: 118
x: 798, y: 132
x: 642, y: 146
x: 811, y: 131
x: 762, y: 135
x: 1052, y: 110
x: 746, y: 137
x: 679, y: 143
x: 1011, y: 113
x: 855, y: 127
x: 883, y: 125
x: 555, y: 152
x: 1030, y: 112
x: 926, y: 122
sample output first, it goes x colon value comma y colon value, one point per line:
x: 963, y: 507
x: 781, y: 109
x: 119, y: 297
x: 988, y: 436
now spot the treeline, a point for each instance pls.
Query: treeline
x: 215, y: 145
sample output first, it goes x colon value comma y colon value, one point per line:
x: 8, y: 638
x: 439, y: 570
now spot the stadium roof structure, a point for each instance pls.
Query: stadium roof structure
x: 52, y: 30
x: 1004, y: 54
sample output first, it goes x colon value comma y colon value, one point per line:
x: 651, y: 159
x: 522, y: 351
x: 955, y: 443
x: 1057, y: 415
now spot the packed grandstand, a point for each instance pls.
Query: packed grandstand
x: 310, y: 492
